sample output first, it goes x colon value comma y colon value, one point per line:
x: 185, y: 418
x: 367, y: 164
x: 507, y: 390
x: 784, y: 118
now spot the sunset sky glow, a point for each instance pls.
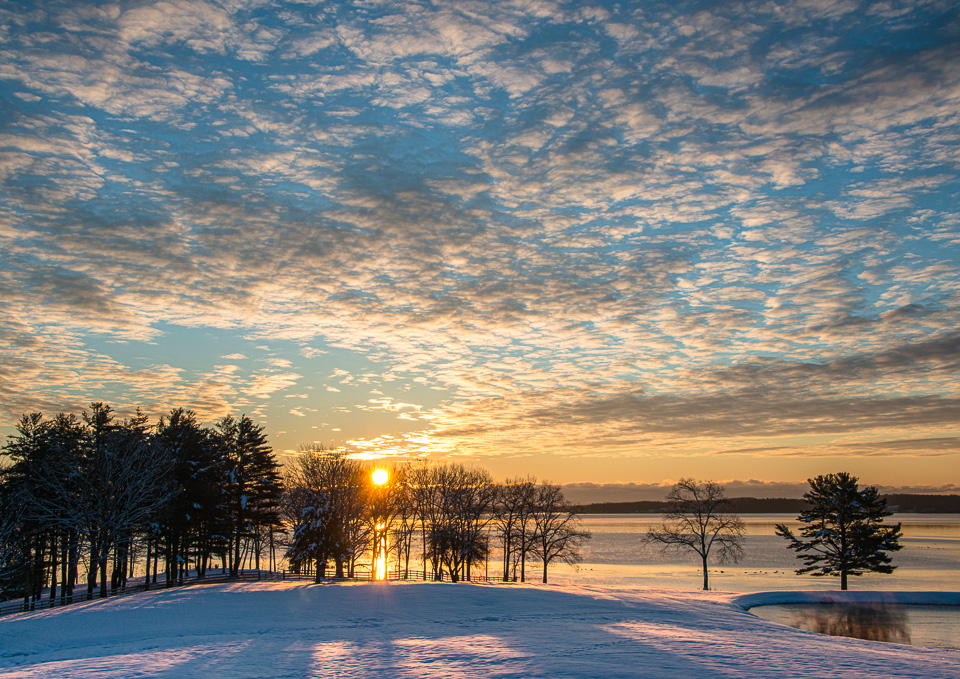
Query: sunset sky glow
x: 594, y: 242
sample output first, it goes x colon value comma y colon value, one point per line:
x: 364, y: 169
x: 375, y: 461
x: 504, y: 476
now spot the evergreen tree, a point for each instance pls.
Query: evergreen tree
x: 843, y: 532
x: 41, y: 451
x: 14, y: 543
x: 193, y: 523
x: 252, y: 481
x: 312, y: 539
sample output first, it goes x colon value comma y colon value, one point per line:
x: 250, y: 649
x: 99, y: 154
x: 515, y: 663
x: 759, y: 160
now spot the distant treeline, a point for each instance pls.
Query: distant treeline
x: 899, y: 502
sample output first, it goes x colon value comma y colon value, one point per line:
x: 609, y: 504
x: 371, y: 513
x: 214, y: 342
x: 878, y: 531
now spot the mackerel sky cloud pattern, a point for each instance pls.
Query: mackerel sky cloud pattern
x: 596, y: 242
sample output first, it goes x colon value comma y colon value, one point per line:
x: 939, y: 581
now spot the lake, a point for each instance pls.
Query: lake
x: 929, y: 560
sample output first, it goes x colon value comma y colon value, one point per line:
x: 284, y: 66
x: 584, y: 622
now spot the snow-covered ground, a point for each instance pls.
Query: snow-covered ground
x: 441, y: 630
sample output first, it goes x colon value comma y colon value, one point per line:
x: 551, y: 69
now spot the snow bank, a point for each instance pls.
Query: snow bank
x: 427, y: 630
x: 746, y: 601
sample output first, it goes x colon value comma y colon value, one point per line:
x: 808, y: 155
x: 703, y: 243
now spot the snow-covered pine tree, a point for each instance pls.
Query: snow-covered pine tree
x: 252, y: 481
x: 312, y: 539
x: 194, y: 523
x: 843, y: 532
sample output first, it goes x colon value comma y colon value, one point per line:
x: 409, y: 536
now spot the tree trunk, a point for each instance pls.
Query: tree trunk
x: 523, y: 557
x: 146, y: 579
x: 104, y: 558
x: 235, y: 564
x: 27, y: 568
x: 74, y: 564
x: 843, y: 580
x: 168, y: 566
x: 115, y: 576
x: 423, y: 547
x: 506, y: 557
x: 53, y: 569
x: 64, y: 571
x: 706, y: 584
x: 94, y: 560
x: 39, y: 570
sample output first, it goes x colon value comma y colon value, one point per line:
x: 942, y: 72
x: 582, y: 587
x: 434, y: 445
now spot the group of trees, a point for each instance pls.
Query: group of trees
x: 842, y: 532
x: 89, y: 499
x: 97, y: 495
x: 448, y: 517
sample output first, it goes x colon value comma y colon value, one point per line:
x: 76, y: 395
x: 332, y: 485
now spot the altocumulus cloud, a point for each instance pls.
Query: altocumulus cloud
x: 596, y: 230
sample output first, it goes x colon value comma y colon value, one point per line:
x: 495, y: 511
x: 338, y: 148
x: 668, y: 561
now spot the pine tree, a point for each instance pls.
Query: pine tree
x: 42, y: 452
x: 325, y: 491
x: 252, y: 481
x: 843, y: 532
x: 312, y: 539
x: 193, y: 522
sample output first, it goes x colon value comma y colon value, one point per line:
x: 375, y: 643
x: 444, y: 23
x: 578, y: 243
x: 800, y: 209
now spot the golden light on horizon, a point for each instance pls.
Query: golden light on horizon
x: 380, y: 476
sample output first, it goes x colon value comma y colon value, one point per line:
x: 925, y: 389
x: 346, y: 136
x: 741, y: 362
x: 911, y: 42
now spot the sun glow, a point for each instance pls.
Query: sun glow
x: 380, y: 478
x: 380, y: 553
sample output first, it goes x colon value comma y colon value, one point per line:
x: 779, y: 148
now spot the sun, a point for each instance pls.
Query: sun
x: 380, y: 476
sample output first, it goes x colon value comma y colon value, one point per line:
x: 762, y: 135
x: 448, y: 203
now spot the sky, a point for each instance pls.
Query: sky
x: 600, y: 243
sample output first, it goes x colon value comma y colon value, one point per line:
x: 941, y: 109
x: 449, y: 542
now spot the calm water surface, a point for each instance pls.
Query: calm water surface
x: 929, y: 560
x: 930, y: 626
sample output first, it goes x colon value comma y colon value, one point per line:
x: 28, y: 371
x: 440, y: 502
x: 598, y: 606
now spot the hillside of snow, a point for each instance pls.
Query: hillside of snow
x: 419, y: 630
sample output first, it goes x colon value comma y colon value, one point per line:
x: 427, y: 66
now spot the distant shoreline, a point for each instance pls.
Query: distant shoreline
x: 898, y: 502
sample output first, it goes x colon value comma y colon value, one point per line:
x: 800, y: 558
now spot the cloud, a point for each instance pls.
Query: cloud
x: 599, y: 230
x: 635, y: 492
x: 263, y: 384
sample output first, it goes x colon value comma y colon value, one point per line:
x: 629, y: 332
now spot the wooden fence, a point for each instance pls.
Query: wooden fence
x: 21, y: 606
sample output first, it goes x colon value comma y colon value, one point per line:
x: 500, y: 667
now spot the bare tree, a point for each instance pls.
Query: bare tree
x: 420, y: 489
x: 475, y: 498
x: 405, y: 523
x: 454, y: 503
x: 696, y: 523
x: 557, y: 533
x: 511, y: 520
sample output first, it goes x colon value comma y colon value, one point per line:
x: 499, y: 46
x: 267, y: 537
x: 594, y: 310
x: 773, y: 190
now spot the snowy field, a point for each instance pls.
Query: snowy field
x: 442, y: 630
